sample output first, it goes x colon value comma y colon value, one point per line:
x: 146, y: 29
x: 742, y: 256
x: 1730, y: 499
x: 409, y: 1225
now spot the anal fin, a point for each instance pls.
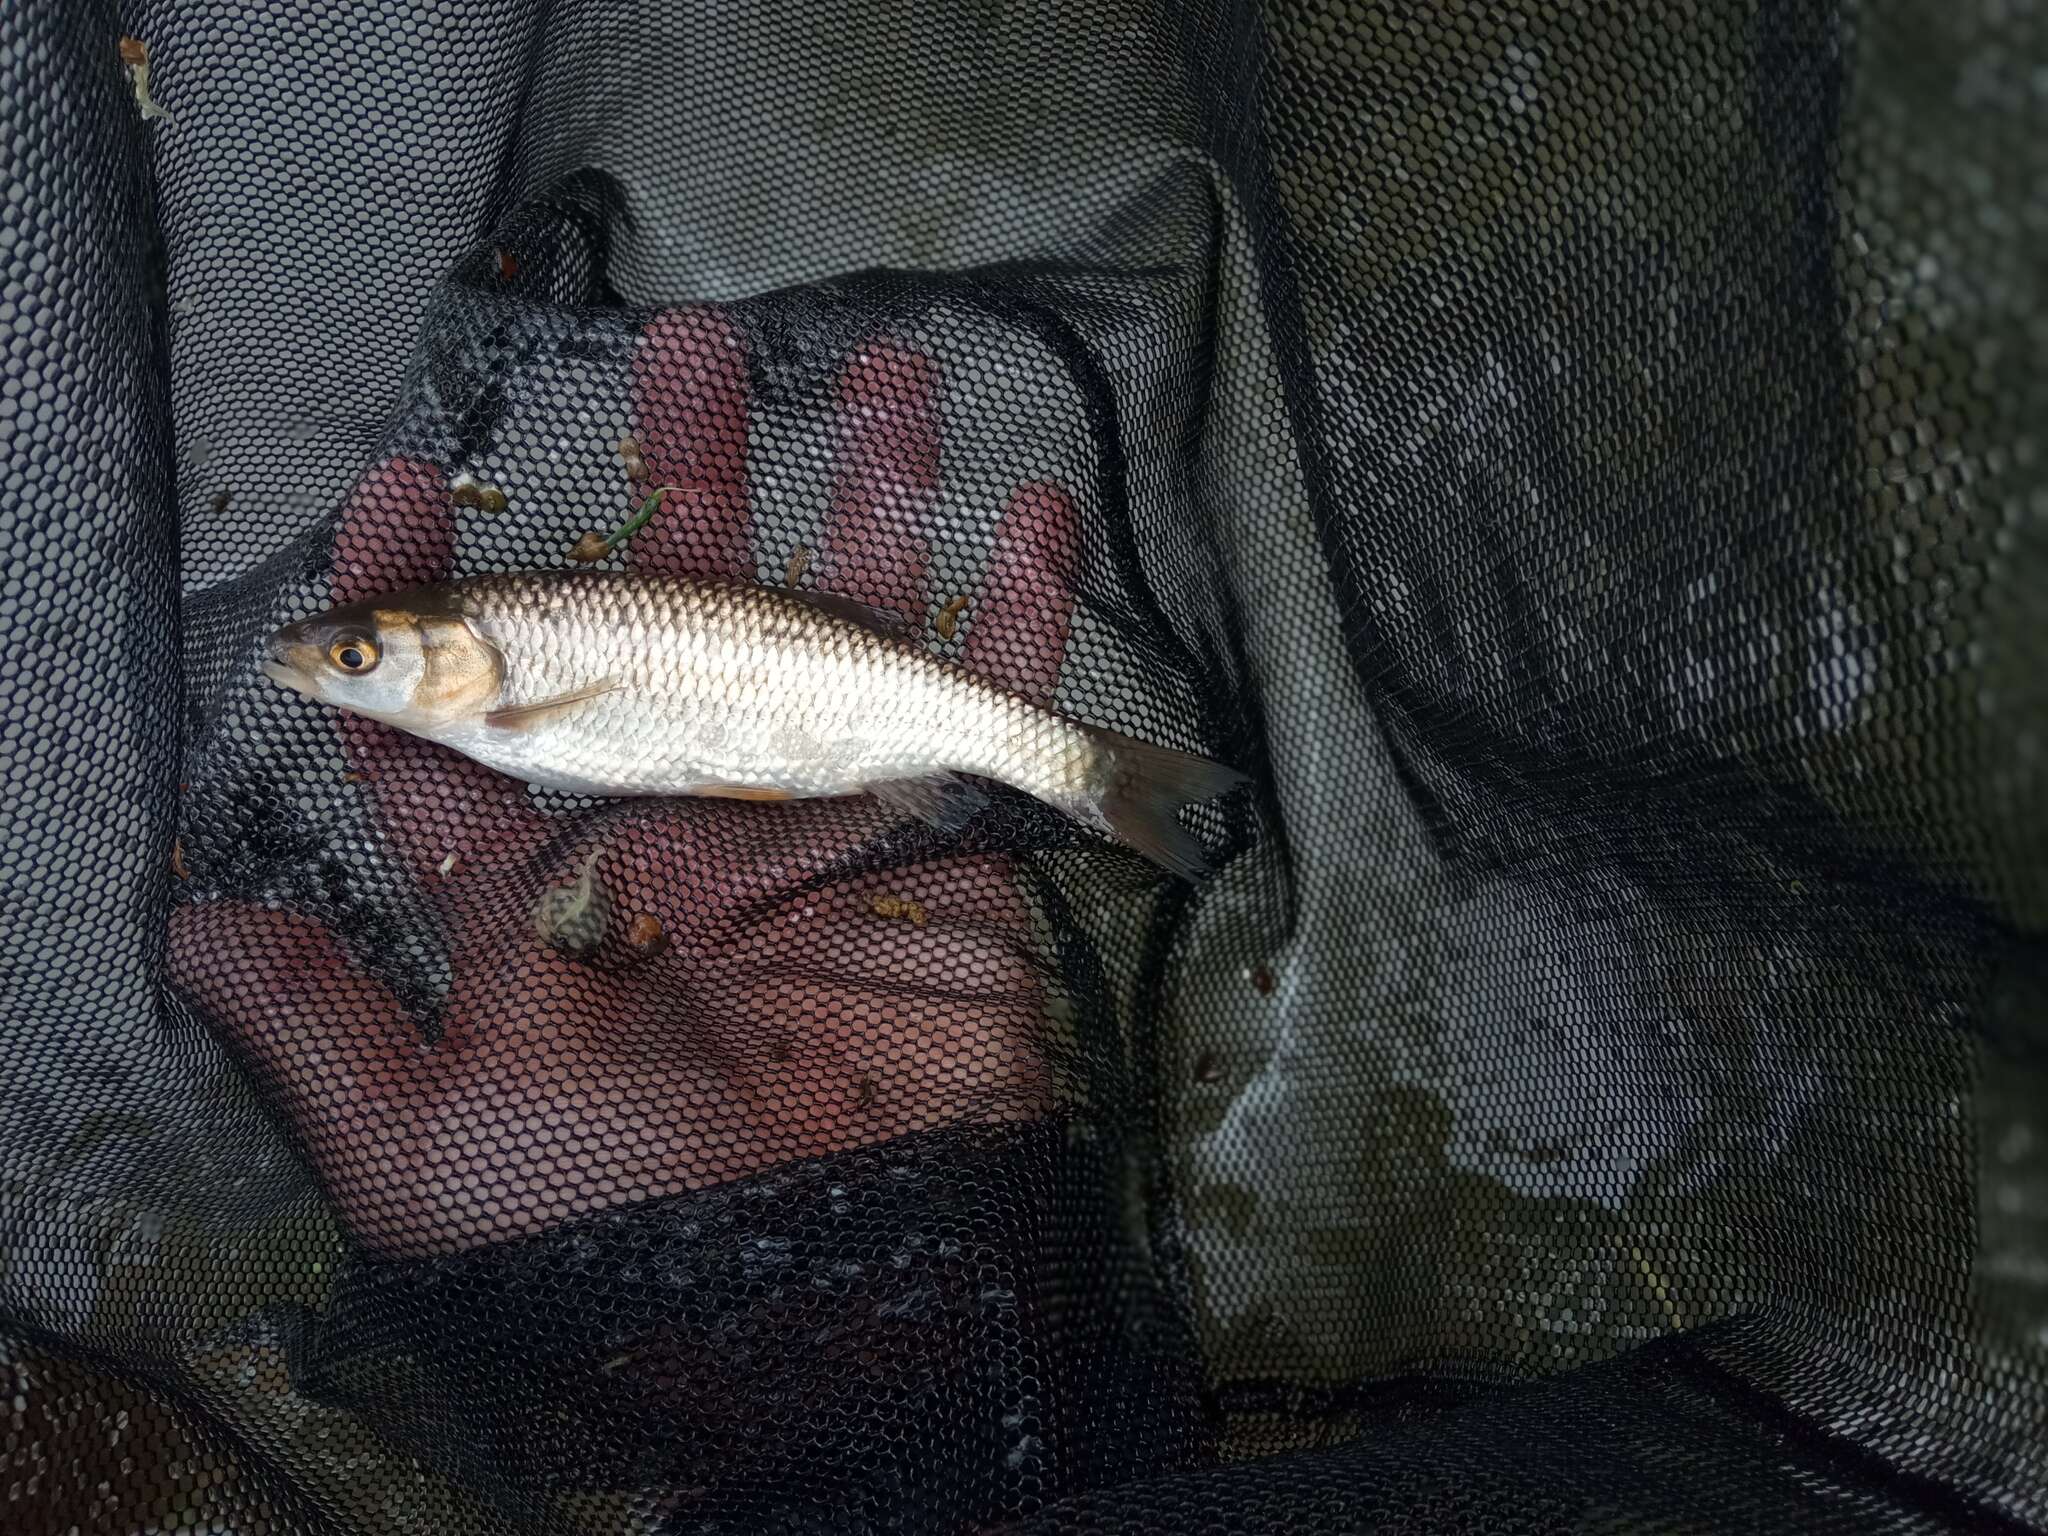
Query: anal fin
x: 521, y: 717
x: 740, y: 792
x: 942, y: 801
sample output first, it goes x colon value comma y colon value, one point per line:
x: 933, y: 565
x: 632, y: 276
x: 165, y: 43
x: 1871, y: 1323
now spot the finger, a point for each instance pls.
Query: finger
x: 331, y: 1045
x: 904, y: 999
x: 706, y: 869
x: 456, y: 825
x: 1017, y: 632
x: 885, y: 439
x: 689, y: 388
x: 957, y: 930
x: 510, y: 1123
x: 841, y: 1078
x: 397, y: 530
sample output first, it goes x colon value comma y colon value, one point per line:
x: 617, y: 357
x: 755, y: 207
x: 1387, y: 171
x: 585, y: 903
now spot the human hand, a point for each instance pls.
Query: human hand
x: 779, y: 1021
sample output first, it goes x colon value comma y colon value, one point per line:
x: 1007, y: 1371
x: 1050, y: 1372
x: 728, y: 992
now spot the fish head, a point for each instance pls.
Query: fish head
x: 406, y: 663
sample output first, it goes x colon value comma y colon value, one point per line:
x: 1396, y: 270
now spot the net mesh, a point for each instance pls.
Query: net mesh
x: 1582, y: 462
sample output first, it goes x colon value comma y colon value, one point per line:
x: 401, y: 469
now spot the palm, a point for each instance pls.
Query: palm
x: 778, y: 1021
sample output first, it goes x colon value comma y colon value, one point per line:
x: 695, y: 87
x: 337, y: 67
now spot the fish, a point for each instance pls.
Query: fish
x: 622, y: 683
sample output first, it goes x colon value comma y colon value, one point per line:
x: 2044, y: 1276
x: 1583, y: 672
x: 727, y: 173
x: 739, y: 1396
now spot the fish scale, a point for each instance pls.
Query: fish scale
x: 629, y: 683
x: 733, y: 686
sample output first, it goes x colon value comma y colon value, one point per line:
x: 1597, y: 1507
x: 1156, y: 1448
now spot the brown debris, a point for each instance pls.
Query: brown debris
x: 589, y: 549
x: 1207, y: 1068
x: 645, y: 934
x: 948, y: 621
x: 629, y: 455
x: 465, y: 490
x: 799, y: 562
x: 220, y: 501
x: 178, y: 859
x: 572, y: 918
x: 508, y: 265
x: 135, y: 55
x: 782, y: 1048
x: 864, y: 1097
x: 1262, y: 978
x: 897, y: 906
x: 353, y: 777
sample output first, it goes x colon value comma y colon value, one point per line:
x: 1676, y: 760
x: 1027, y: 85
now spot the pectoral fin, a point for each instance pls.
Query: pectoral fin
x: 523, y: 717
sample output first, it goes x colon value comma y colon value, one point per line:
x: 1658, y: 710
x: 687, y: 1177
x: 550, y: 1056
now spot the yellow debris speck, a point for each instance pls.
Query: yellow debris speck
x: 897, y: 906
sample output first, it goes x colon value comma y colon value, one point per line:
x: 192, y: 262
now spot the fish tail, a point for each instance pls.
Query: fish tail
x: 1147, y: 785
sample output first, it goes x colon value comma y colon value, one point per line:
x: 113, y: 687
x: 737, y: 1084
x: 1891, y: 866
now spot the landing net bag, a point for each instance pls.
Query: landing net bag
x: 1583, y: 462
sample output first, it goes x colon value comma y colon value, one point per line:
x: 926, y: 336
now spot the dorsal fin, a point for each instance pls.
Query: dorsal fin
x: 882, y: 621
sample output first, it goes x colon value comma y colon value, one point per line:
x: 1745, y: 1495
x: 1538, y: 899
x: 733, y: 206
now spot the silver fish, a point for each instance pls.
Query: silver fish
x: 621, y: 683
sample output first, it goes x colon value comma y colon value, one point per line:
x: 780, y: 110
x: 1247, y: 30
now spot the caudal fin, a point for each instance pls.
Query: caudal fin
x: 1148, y: 785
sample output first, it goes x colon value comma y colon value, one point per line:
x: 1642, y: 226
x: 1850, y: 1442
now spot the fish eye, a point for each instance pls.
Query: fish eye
x: 353, y: 655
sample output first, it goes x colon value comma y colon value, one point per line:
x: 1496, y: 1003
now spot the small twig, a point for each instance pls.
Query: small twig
x: 641, y: 518
x: 592, y: 548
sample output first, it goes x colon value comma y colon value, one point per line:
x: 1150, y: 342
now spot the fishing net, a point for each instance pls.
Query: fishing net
x: 1583, y: 462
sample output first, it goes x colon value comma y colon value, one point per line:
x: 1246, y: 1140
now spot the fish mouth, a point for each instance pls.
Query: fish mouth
x: 283, y: 672
x: 277, y: 666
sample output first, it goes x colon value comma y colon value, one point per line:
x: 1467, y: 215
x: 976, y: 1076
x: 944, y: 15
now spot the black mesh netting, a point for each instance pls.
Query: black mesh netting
x: 1584, y: 461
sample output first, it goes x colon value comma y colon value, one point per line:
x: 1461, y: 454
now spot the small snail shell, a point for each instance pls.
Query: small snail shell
x: 572, y: 917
